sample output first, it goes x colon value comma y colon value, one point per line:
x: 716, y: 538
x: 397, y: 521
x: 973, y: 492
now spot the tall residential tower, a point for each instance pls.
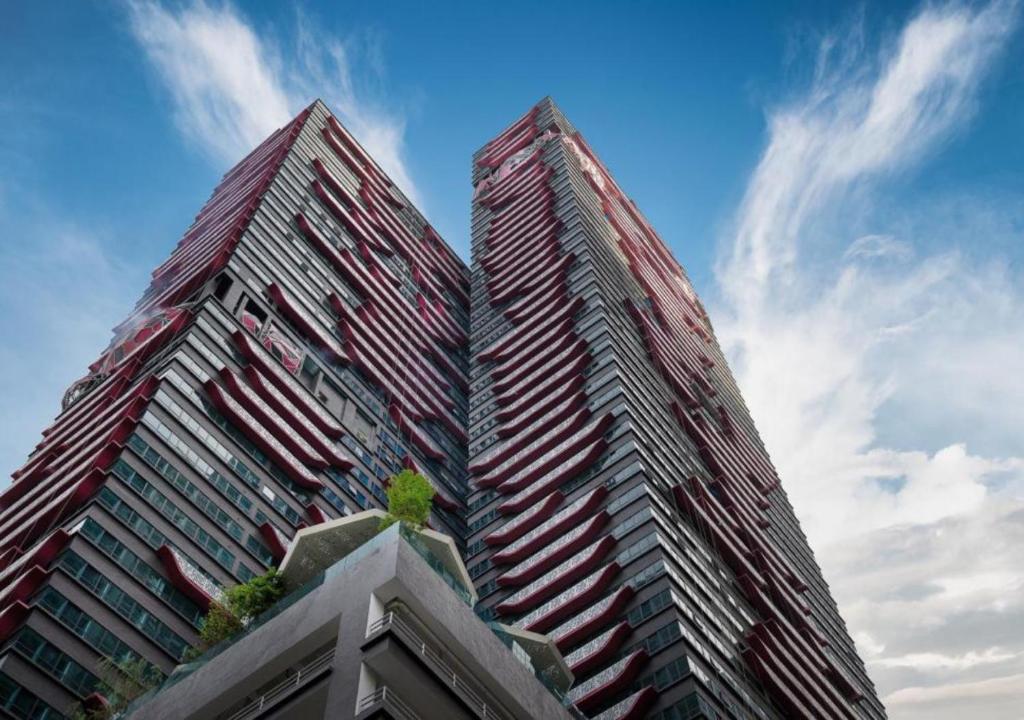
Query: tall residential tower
x: 310, y: 336
x: 623, y: 501
x: 305, y: 340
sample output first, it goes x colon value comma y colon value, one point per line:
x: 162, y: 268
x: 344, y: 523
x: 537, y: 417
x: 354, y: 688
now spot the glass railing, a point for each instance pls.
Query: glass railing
x: 436, y: 564
x: 343, y: 564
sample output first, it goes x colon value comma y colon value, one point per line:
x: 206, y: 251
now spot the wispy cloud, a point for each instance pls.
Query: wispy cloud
x: 231, y: 85
x: 867, y: 357
x: 52, y: 334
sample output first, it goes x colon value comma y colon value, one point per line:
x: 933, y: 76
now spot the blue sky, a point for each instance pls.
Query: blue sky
x: 844, y: 183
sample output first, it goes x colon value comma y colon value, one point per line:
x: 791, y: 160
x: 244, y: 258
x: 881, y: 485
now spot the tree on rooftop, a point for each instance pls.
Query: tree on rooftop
x: 410, y: 498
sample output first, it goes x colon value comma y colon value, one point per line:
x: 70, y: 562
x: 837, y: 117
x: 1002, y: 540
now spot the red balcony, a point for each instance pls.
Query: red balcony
x: 526, y: 521
x: 555, y: 526
x: 259, y: 435
x: 570, y: 601
x: 569, y: 469
x: 587, y: 658
x: 589, y: 621
x: 559, y: 549
x: 557, y: 579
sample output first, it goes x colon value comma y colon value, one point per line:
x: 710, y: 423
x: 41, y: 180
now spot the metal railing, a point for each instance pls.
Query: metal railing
x: 312, y: 670
x: 393, y: 622
x: 386, y: 698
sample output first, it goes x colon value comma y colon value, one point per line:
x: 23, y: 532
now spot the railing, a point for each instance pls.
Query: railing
x: 389, y: 701
x: 437, y: 565
x: 393, y: 622
x: 307, y: 673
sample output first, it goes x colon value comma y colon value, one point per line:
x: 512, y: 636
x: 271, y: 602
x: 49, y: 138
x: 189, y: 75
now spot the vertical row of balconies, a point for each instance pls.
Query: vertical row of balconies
x: 731, y: 507
x: 553, y: 556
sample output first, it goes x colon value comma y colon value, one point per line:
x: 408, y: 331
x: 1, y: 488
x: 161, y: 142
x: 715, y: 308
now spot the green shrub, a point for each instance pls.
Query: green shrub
x: 120, y: 683
x: 239, y: 605
x: 410, y: 498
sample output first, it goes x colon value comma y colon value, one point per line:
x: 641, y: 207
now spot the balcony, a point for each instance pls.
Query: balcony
x: 588, y: 621
x: 634, y: 707
x: 563, y: 546
x: 551, y: 528
x: 439, y: 664
x: 526, y: 520
x: 557, y: 578
x: 571, y: 467
x: 274, y: 696
x: 516, y: 458
x: 585, y: 658
x: 610, y: 681
x: 569, y: 601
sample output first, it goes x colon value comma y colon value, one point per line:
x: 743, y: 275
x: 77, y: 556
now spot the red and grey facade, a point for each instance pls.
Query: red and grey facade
x: 307, y: 338
x: 310, y: 335
x: 622, y: 499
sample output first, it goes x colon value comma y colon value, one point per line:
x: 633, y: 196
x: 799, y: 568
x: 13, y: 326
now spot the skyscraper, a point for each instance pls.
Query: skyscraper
x: 310, y: 336
x: 305, y: 340
x: 623, y: 501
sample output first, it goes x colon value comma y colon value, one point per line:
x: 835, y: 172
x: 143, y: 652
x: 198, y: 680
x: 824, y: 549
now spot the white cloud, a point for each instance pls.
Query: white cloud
x: 52, y: 334
x: 874, y: 360
x: 232, y: 86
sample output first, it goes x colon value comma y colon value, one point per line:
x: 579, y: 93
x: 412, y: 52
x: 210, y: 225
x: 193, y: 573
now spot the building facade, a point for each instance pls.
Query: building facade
x: 623, y: 501
x: 305, y: 340
x: 381, y: 626
x: 310, y: 335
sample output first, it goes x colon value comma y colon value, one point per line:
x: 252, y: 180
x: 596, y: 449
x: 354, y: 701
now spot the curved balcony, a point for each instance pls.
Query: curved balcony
x: 267, y: 367
x: 541, y: 426
x: 526, y: 454
x: 515, y: 128
x: 514, y: 342
x: 381, y: 325
x: 558, y: 578
x: 564, y: 350
x: 525, y: 521
x: 529, y: 173
x: 508, y: 147
x: 315, y: 514
x: 245, y: 422
x: 347, y: 216
x: 271, y: 420
x: 569, y: 601
x: 415, y: 435
x: 572, y: 467
x: 521, y: 282
x: 536, y: 203
x: 524, y: 219
x: 521, y: 246
x: 584, y: 659
x: 277, y: 542
x: 524, y: 386
x: 184, y: 576
x: 811, y: 669
x: 529, y: 282
x: 634, y: 707
x: 305, y: 323
x: 527, y: 306
x: 555, y: 526
x: 609, y: 682
x: 42, y: 555
x: 553, y: 458
x: 589, y: 621
x: 297, y: 420
x: 563, y: 546
x: 725, y: 541
x: 546, y: 411
x: 355, y: 329
x: 560, y: 380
